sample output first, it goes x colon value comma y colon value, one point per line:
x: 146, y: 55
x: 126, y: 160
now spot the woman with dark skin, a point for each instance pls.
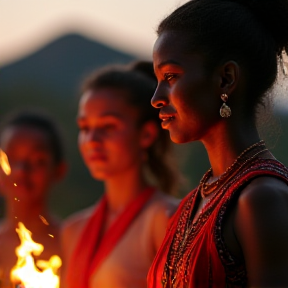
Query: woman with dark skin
x: 232, y: 230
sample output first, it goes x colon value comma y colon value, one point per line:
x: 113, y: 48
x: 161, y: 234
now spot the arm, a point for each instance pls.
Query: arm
x: 261, y: 227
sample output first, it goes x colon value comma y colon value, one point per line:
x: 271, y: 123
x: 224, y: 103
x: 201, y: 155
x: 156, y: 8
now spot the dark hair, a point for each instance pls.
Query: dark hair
x: 145, y: 67
x: 139, y: 81
x: 39, y: 120
x: 252, y: 33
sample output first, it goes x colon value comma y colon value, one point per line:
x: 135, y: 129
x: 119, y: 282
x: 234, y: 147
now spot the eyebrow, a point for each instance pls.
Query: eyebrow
x: 106, y: 115
x: 168, y: 62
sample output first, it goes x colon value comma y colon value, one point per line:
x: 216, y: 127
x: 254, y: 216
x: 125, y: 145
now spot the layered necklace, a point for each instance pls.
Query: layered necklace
x: 177, y: 263
x: 208, y: 188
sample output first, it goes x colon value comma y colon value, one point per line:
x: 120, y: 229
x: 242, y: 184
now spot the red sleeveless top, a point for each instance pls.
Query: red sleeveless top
x: 93, y: 247
x: 195, y: 255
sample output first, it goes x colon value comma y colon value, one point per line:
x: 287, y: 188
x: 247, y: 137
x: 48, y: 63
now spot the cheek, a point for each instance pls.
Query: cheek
x: 6, y: 184
x: 81, y: 140
x: 81, y: 144
x: 126, y: 144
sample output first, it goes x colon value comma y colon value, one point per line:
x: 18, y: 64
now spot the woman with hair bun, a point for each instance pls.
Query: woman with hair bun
x: 113, y: 243
x: 214, y: 61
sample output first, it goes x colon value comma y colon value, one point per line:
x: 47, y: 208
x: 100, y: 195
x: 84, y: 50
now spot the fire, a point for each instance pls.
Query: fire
x: 4, y: 163
x: 25, y: 272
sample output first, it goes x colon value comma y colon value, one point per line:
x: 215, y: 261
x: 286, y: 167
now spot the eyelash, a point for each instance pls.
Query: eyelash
x: 169, y: 76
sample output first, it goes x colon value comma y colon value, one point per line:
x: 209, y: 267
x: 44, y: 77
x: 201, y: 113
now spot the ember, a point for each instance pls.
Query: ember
x: 4, y: 163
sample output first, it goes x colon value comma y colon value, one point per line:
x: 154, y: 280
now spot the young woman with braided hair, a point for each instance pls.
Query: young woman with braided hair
x: 215, y: 60
x: 112, y: 244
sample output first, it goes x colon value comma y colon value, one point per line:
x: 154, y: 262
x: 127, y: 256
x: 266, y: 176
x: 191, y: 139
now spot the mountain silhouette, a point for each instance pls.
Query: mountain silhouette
x: 49, y: 79
x: 61, y: 64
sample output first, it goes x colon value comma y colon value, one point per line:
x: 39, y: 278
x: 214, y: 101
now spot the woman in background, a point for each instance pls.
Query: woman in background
x: 34, y: 149
x: 113, y: 243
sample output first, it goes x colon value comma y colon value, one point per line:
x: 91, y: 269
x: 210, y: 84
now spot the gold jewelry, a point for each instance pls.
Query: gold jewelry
x: 225, y: 110
x: 208, y: 188
x: 283, y: 61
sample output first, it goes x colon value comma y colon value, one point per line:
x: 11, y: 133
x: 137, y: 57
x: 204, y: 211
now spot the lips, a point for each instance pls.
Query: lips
x: 166, y: 119
x: 97, y: 157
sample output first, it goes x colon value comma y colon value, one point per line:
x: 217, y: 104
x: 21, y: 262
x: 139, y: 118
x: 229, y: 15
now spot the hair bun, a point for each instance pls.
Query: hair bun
x: 273, y: 16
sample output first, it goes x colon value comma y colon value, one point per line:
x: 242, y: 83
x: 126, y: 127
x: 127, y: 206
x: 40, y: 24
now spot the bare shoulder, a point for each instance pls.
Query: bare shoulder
x: 261, y: 229
x: 264, y: 203
x: 71, y: 230
x: 77, y: 220
x: 163, y: 203
x: 161, y: 209
x: 262, y: 191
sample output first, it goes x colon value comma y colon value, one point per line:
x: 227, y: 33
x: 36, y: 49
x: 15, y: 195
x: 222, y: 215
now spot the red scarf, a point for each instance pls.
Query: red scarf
x: 92, y: 249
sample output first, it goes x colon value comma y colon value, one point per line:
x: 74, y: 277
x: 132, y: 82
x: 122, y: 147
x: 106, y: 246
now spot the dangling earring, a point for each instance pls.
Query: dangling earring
x: 225, y: 110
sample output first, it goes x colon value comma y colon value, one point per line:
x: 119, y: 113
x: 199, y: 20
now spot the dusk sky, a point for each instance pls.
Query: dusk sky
x: 129, y: 25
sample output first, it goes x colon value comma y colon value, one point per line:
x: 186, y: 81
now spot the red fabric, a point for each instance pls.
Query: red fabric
x: 92, y: 249
x: 205, y: 266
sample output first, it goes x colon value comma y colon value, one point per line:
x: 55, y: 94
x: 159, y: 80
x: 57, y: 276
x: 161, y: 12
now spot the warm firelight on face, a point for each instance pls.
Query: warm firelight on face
x: 25, y: 272
x: 4, y: 163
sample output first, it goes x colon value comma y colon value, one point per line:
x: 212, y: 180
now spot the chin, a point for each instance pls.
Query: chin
x: 179, y: 138
x: 99, y: 176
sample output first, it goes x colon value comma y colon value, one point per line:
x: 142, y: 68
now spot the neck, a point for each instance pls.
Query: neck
x: 225, y: 145
x: 122, y: 189
x: 29, y: 213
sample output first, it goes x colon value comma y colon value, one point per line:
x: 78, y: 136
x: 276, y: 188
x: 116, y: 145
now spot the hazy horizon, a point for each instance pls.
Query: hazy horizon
x: 129, y: 25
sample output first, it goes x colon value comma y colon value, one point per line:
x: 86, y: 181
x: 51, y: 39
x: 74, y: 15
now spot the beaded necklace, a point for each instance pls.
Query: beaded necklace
x: 176, y: 264
x: 208, y: 188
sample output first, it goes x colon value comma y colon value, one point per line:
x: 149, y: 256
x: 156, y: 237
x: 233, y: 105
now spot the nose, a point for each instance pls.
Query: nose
x: 159, y: 99
x: 20, y: 167
x: 93, y: 136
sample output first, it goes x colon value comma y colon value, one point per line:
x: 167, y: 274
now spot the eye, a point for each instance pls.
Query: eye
x: 169, y: 76
x: 39, y: 161
x: 109, y: 128
x: 83, y: 128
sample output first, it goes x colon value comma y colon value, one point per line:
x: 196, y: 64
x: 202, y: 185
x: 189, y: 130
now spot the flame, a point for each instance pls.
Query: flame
x: 4, y: 163
x: 25, y: 271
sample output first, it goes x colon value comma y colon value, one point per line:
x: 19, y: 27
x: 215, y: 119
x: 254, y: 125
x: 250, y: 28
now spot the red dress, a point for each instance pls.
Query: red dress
x: 93, y: 247
x: 195, y: 255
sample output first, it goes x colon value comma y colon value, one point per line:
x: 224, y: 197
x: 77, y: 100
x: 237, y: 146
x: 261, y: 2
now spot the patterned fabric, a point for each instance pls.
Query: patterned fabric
x: 195, y: 255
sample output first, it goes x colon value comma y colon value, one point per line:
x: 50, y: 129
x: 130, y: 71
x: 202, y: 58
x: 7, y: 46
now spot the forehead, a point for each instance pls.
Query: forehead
x: 174, y: 42
x: 106, y: 102
x: 176, y: 47
x: 25, y: 136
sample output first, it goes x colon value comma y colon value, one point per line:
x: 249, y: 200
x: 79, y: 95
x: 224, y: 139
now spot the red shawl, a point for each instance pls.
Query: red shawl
x: 206, y: 262
x: 92, y: 249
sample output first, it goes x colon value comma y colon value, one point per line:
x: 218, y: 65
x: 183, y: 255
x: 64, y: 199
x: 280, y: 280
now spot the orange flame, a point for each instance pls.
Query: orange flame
x: 4, y: 163
x: 25, y: 271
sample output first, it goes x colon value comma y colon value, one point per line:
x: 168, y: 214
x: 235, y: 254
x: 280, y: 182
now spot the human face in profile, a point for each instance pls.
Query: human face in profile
x: 187, y: 91
x: 33, y: 168
x: 109, y: 138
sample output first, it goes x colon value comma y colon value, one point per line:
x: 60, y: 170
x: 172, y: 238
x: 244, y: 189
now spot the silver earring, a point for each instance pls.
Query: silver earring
x: 225, y: 110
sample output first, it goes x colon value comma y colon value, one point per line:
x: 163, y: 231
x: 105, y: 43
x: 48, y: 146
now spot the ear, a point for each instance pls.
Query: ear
x: 61, y: 170
x: 230, y: 72
x: 149, y: 133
